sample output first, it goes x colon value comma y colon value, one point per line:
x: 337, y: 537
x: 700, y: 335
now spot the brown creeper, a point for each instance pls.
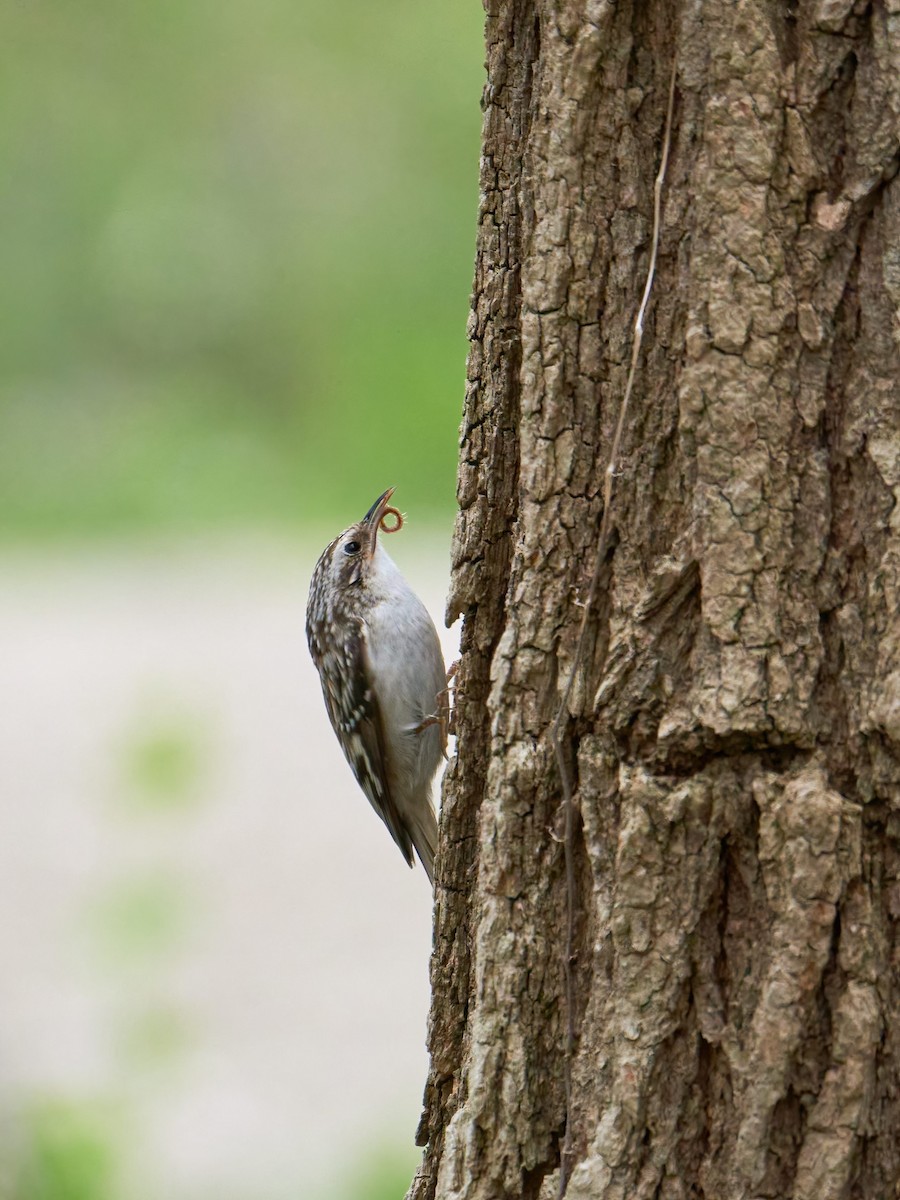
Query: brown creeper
x: 379, y: 659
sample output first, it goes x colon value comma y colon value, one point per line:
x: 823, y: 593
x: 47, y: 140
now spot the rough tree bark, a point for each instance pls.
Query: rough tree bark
x: 734, y: 731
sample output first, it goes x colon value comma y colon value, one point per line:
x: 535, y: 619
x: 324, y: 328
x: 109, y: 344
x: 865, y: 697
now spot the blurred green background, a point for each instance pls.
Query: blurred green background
x: 237, y: 243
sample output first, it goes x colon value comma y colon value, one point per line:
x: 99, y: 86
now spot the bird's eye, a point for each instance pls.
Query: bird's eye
x: 351, y: 547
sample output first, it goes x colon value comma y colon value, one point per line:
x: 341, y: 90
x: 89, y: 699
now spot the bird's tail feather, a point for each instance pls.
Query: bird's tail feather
x: 424, y: 833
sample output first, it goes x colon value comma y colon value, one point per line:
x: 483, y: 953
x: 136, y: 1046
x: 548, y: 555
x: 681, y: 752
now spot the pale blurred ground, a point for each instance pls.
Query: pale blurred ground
x: 206, y: 936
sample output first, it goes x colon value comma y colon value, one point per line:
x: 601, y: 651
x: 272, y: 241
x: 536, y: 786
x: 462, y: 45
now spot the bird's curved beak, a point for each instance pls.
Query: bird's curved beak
x: 376, y: 512
x: 372, y: 520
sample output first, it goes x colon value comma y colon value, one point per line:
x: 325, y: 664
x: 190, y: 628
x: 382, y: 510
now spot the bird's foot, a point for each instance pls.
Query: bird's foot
x: 445, y: 714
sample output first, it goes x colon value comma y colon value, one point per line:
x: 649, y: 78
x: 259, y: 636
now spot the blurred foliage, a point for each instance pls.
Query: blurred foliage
x: 140, y: 919
x: 75, y: 1148
x: 237, y: 243
x: 69, y: 1153
x: 156, y: 1037
x: 163, y: 762
x: 383, y: 1172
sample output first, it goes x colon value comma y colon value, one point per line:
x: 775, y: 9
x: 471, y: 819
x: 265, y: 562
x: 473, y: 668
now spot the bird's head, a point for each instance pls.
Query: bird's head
x: 352, y: 556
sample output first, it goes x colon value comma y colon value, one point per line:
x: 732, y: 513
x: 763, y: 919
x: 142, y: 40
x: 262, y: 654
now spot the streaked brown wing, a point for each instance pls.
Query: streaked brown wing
x: 356, y: 718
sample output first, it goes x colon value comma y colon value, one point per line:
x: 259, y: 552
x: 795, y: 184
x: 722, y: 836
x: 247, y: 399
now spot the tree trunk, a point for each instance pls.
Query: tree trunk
x: 733, y: 734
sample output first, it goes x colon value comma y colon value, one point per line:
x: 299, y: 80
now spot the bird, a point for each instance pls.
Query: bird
x: 383, y: 677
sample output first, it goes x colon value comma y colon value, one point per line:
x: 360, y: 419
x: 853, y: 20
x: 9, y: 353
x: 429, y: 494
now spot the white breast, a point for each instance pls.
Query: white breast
x: 408, y: 672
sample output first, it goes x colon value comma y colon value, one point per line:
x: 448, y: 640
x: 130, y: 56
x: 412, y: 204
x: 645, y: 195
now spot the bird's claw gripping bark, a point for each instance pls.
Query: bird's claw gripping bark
x: 445, y: 715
